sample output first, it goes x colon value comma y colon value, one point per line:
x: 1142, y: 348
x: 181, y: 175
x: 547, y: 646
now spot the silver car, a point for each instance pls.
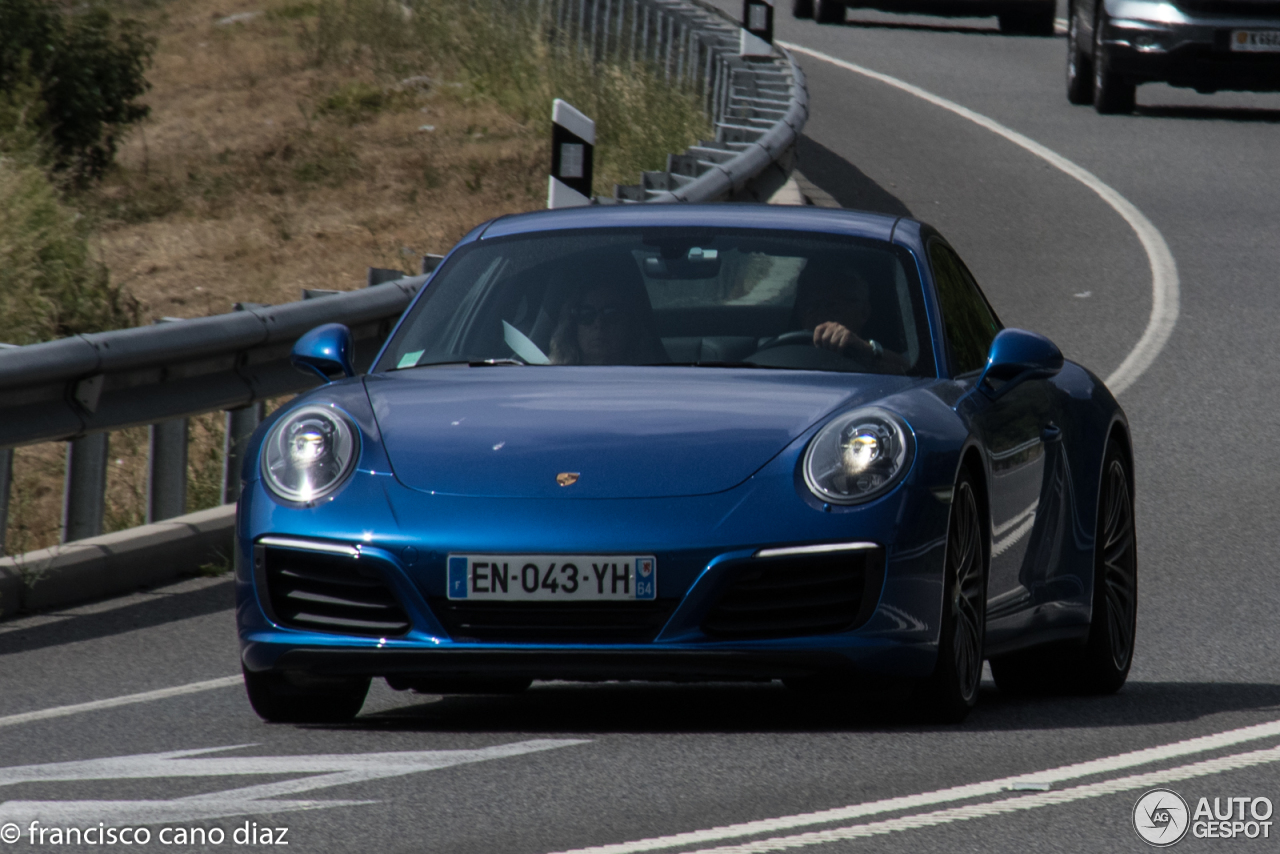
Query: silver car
x: 1206, y: 45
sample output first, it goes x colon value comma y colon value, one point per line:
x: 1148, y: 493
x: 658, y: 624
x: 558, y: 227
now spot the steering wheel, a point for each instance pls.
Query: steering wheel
x: 819, y: 358
x: 787, y: 339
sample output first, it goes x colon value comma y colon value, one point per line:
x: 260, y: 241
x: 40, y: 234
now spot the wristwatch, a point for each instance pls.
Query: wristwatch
x: 877, y: 349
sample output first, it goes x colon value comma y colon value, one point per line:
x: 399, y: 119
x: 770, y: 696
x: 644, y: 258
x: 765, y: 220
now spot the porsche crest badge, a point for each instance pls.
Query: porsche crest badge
x: 567, y: 478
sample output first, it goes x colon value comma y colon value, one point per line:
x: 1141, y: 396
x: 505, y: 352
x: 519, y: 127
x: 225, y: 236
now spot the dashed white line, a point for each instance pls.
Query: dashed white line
x: 1164, y: 271
x: 126, y: 700
x: 1104, y: 765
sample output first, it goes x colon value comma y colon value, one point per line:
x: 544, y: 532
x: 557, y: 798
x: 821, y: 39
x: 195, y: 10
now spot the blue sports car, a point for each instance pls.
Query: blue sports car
x: 689, y: 443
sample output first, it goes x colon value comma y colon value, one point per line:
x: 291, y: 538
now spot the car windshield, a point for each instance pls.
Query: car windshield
x: 665, y: 296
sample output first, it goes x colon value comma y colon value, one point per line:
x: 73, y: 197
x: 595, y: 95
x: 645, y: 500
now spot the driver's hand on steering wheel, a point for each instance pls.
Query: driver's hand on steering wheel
x: 837, y: 337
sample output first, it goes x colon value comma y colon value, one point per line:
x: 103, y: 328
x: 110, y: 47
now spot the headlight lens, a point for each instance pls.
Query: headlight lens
x: 858, y: 456
x: 309, y: 453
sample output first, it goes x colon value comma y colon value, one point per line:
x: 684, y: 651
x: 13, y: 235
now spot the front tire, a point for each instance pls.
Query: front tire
x: 952, y: 690
x: 282, y: 698
x: 802, y: 8
x: 1079, y: 65
x: 828, y: 11
x: 1113, y: 94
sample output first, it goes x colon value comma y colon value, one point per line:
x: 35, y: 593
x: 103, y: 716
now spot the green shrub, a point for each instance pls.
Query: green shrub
x: 50, y: 286
x: 77, y: 78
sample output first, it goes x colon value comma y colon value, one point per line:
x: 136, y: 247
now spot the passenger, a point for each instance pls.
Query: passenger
x: 835, y: 302
x: 607, y: 320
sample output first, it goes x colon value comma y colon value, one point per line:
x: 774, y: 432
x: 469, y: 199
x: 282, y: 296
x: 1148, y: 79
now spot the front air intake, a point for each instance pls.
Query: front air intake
x: 797, y: 595
x: 329, y: 592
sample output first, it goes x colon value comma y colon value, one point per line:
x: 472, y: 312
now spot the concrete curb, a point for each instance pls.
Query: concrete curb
x: 118, y: 563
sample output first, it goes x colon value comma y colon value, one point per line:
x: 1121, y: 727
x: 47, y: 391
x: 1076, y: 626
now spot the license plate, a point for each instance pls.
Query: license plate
x: 560, y: 578
x: 1255, y: 41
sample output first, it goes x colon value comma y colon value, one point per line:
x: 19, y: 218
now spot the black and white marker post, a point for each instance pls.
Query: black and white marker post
x: 573, y: 139
x: 757, y: 29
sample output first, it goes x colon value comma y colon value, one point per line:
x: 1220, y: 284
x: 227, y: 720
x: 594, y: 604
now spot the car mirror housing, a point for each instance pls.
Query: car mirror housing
x: 325, y: 350
x: 1018, y: 355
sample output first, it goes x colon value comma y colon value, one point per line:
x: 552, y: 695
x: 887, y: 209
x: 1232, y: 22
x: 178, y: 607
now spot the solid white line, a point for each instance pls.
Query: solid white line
x: 1002, y: 807
x: 127, y: 700
x: 1062, y: 774
x: 1164, y: 271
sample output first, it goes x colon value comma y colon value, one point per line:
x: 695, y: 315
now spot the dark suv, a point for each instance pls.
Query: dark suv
x: 1017, y: 17
x: 1206, y: 45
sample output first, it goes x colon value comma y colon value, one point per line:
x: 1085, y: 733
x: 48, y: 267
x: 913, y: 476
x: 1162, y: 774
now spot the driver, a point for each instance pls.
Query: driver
x: 835, y: 302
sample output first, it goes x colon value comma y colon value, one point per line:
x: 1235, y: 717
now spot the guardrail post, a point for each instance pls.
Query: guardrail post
x: 644, y: 36
x: 6, y: 487
x: 86, y: 487
x: 240, y: 423
x: 671, y: 37
x: 604, y: 29
x: 167, y: 470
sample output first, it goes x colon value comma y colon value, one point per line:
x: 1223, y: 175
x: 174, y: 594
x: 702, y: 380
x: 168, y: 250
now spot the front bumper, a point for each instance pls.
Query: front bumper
x: 1157, y: 42
x: 704, y: 545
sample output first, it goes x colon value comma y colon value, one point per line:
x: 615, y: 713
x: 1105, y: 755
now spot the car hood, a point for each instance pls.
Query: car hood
x: 626, y: 432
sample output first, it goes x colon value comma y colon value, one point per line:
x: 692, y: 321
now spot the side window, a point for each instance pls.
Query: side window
x: 968, y: 321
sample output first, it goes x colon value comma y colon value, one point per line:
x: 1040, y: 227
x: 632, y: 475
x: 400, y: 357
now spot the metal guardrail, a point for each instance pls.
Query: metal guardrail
x: 78, y: 388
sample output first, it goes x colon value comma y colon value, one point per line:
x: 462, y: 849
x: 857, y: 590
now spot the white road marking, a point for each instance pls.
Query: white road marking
x: 127, y: 700
x: 325, y: 770
x: 1002, y: 807
x: 1104, y: 765
x: 1164, y: 270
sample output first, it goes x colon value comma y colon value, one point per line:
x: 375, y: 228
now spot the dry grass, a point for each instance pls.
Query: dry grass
x: 284, y: 151
x: 255, y: 177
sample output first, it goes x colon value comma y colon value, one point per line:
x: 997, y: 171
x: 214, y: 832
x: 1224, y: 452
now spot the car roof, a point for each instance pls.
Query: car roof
x: 722, y: 215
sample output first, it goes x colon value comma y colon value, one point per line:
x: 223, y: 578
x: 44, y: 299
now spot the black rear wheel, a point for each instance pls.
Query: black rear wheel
x: 1101, y: 666
x: 1032, y: 20
x: 802, y: 8
x: 1104, y: 665
x: 288, y: 698
x: 952, y: 690
x: 828, y: 11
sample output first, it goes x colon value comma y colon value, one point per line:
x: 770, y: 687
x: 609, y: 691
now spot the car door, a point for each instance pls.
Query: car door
x: 1014, y: 427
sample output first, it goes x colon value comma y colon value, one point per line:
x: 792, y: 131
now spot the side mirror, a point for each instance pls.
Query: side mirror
x: 326, y: 350
x: 1018, y: 355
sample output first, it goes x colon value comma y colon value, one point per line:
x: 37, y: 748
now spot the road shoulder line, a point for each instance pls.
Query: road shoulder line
x: 1164, y: 270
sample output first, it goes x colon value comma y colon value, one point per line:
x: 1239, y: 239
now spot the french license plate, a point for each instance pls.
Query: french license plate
x: 560, y: 578
x: 1255, y: 41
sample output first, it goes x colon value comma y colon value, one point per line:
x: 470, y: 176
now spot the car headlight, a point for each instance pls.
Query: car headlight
x: 309, y: 453
x: 858, y: 456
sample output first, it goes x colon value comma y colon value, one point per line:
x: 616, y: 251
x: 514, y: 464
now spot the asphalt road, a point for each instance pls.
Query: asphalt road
x: 566, y: 766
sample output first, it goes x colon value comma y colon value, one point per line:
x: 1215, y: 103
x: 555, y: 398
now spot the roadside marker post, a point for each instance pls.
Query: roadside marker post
x: 756, y: 37
x: 573, y: 142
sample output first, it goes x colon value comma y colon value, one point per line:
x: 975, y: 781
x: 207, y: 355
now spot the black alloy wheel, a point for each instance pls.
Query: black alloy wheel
x: 828, y: 11
x: 952, y: 690
x: 1113, y: 94
x: 802, y: 8
x: 1101, y: 666
x: 278, y: 698
x: 1104, y: 667
x: 1079, y: 65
